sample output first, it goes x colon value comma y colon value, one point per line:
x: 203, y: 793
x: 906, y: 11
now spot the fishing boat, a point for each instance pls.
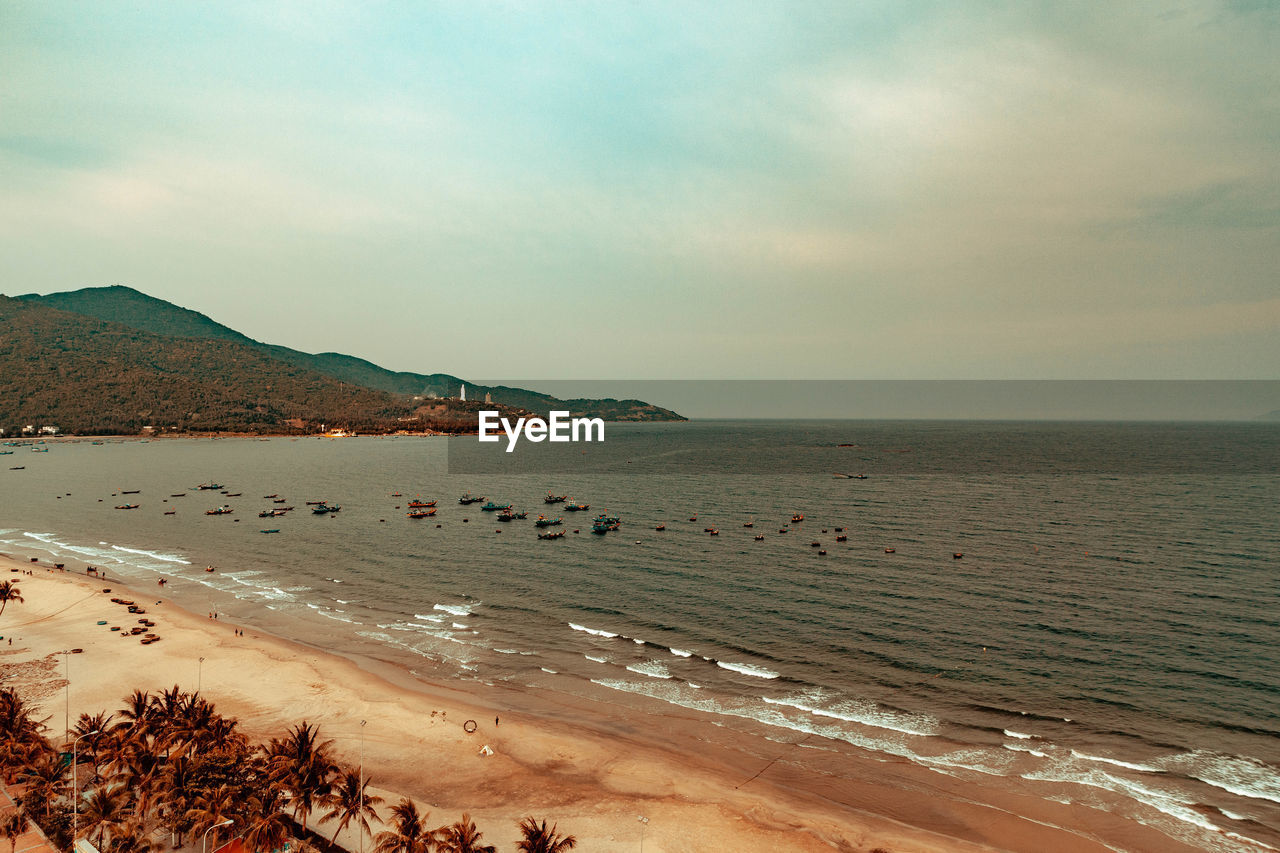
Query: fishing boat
x: 324, y: 509
x: 508, y: 515
x: 279, y: 500
x: 601, y: 529
x: 797, y: 518
x: 127, y: 506
x: 417, y: 504
x: 421, y: 513
x: 271, y: 513
x: 272, y: 530
x: 179, y: 495
x: 316, y: 503
x: 576, y: 507
x: 207, y: 487
x: 131, y: 492
x: 759, y: 537
x: 543, y: 521
x: 467, y: 499
x: 660, y: 527
x: 272, y: 495
x: 559, y: 534
x: 6, y: 452
x: 39, y: 450
x: 555, y: 499
x: 493, y: 507
x: 607, y: 519
x: 222, y: 510
x: 170, y: 512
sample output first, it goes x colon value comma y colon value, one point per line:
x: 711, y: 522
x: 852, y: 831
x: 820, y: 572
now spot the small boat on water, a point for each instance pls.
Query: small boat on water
x: 316, y: 503
x: 660, y: 527
x: 278, y: 501
x: 607, y: 519
x: 131, y: 491
x: 208, y: 487
x: 231, y: 494
x: 417, y: 504
x: 468, y: 499
x: 555, y: 499
x: 325, y: 509
x: 179, y: 495
x: 127, y: 506
x: 425, y: 513
x: 272, y: 530
x: 559, y: 534
x: 222, y: 510
x: 6, y: 452
x: 748, y: 524
x: 271, y: 513
x: 170, y: 512
x: 543, y: 521
x: 577, y: 507
x: 508, y: 515
x: 493, y: 507
x: 39, y: 450
x: 842, y: 538
x: 797, y: 518
x: 759, y: 537
x: 273, y: 495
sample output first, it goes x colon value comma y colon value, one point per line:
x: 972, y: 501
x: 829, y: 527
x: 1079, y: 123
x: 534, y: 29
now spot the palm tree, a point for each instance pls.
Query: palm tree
x: 212, y: 808
x: 268, y: 826
x: 8, y: 592
x: 463, y: 837
x: 345, y: 800
x: 99, y: 725
x: 539, y: 839
x: 106, y: 809
x: 46, y: 780
x: 407, y: 833
x: 303, y: 764
x: 133, y: 837
x: 175, y: 795
x: 13, y: 824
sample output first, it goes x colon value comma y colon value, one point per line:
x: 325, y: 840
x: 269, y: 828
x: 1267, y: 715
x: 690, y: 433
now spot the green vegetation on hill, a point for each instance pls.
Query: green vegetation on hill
x: 145, y: 313
x: 91, y: 376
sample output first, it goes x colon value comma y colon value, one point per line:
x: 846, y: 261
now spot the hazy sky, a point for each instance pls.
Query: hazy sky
x: 661, y: 190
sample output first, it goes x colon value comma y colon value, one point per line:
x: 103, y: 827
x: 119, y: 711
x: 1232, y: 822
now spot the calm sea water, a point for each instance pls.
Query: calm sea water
x: 1111, y: 635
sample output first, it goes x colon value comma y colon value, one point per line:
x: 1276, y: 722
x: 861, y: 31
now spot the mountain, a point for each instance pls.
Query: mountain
x: 137, y: 310
x: 87, y: 375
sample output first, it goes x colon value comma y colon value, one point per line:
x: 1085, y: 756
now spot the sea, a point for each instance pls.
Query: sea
x: 1090, y: 611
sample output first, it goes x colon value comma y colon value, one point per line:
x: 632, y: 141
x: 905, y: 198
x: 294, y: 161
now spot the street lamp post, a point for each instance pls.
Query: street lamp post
x: 75, y: 786
x: 204, y: 839
x: 66, y: 659
x: 360, y: 824
x: 644, y: 821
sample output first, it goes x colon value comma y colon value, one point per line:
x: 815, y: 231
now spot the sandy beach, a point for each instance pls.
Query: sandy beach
x: 595, y: 785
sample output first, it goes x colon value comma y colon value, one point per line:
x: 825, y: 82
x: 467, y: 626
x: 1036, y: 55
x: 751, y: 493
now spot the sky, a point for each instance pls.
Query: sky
x: 650, y: 190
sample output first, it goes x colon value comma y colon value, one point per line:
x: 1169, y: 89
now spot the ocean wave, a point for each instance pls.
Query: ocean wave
x: 1245, y: 777
x: 1018, y: 735
x: 596, y: 659
x: 608, y: 635
x: 1016, y: 748
x: 651, y: 668
x: 865, y: 713
x: 747, y: 669
x: 455, y: 609
x: 1118, y: 763
x: 155, y: 555
x: 680, y: 653
x: 548, y: 671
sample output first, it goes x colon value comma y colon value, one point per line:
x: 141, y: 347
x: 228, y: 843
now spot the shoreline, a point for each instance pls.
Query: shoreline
x: 687, y: 777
